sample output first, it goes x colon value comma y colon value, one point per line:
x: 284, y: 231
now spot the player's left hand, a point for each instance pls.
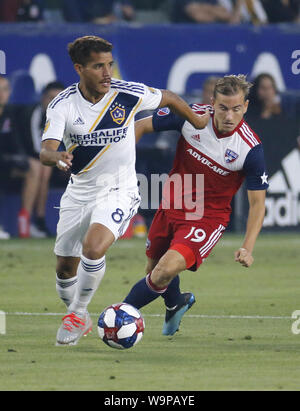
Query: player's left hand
x: 243, y: 257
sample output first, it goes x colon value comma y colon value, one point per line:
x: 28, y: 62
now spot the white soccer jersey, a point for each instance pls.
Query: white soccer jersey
x: 100, y: 136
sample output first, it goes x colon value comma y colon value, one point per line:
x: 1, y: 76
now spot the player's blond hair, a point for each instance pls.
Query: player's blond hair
x: 232, y: 84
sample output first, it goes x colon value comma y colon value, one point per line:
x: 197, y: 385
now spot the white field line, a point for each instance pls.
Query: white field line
x: 238, y: 317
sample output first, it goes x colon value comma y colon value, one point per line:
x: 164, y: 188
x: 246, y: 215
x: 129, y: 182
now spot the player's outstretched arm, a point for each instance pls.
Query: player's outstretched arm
x: 142, y: 127
x: 49, y: 156
x: 254, y: 223
x: 180, y: 107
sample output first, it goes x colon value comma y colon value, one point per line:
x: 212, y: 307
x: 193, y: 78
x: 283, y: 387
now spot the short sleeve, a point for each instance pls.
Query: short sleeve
x: 164, y: 119
x: 55, y: 125
x: 255, y: 169
x: 151, y: 98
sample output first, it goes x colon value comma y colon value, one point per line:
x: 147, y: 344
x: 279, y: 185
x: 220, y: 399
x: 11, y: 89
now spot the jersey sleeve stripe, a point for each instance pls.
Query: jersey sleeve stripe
x: 202, y: 108
x: 253, y: 133
x: 63, y: 98
x: 120, y: 83
x: 62, y: 95
x: 250, y: 140
x: 197, y: 107
x: 249, y: 134
x: 245, y: 138
x: 131, y: 89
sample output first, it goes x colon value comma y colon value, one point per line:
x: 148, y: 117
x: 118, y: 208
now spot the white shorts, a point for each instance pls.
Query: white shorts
x: 114, y: 212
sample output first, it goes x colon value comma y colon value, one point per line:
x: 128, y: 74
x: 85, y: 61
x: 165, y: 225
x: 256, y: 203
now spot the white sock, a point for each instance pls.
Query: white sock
x: 66, y: 289
x: 89, y: 274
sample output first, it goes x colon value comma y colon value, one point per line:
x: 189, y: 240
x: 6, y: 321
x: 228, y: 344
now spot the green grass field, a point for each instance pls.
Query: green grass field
x: 236, y: 337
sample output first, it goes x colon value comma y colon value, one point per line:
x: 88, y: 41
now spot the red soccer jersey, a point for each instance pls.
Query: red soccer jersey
x: 224, y: 161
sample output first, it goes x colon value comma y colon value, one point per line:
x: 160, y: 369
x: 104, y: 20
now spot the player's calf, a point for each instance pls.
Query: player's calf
x: 155, y: 284
x: 66, y: 278
x: 171, y: 264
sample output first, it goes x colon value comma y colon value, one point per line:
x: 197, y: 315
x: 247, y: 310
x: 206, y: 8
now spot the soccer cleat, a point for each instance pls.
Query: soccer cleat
x: 173, y: 317
x: 73, y: 328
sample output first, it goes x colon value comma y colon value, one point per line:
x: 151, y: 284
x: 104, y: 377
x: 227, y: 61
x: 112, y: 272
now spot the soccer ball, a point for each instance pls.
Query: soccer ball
x: 121, y: 326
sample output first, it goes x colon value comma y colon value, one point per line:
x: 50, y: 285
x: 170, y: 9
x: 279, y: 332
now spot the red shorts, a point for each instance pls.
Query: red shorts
x: 193, y: 239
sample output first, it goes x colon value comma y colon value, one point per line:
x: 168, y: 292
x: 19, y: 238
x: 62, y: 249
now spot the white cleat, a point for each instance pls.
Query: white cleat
x: 73, y: 327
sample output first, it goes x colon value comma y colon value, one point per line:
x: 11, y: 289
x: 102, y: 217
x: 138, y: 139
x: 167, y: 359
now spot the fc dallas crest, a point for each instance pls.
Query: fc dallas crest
x: 230, y: 156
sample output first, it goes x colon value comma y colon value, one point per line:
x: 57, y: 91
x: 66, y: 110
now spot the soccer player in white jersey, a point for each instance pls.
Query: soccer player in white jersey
x: 95, y: 120
x: 226, y: 152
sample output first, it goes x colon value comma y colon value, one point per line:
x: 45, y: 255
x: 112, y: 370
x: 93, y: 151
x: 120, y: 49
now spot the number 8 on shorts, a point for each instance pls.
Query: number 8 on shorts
x: 118, y: 215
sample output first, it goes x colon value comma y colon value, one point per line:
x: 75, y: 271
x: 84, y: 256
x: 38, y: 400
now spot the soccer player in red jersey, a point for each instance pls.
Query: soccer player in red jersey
x: 209, y: 167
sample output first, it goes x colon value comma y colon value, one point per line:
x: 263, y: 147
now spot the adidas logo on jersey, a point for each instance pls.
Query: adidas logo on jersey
x: 196, y: 137
x: 283, y: 196
x: 78, y: 122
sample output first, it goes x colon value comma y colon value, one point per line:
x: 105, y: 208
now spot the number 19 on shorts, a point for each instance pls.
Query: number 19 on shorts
x: 196, y: 235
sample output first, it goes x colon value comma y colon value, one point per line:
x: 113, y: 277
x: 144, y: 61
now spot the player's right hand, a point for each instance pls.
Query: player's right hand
x: 202, y: 120
x: 64, y: 161
x: 243, y: 257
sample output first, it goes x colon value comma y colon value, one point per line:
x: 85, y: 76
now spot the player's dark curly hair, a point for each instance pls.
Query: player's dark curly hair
x: 81, y: 48
x: 232, y: 84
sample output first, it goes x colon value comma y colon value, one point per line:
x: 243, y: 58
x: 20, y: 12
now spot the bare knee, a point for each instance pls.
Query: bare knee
x: 162, y: 275
x: 66, y: 267
x: 93, y: 251
x: 97, y: 241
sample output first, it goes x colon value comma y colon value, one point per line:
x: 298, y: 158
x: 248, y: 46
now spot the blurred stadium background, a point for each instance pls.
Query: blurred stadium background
x: 153, y: 46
